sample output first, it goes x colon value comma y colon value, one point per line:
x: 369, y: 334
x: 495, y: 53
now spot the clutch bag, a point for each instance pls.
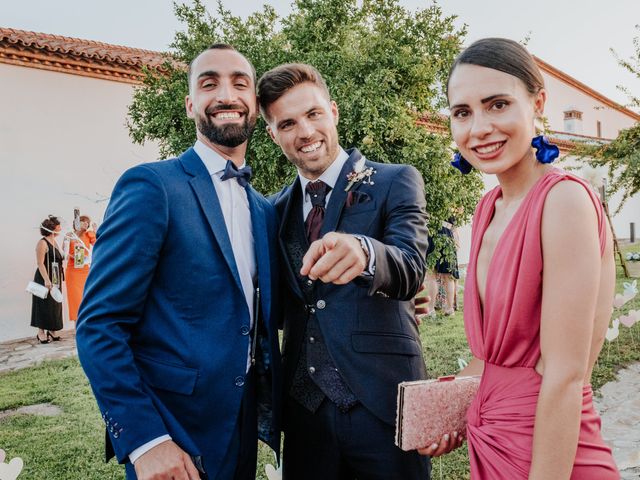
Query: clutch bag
x: 37, y: 290
x: 428, y: 409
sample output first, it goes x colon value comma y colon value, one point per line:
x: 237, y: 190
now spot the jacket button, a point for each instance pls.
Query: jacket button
x: 309, y: 282
x: 244, y: 330
x: 312, y: 310
x: 321, y: 304
x: 312, y: 339
x: 239, y: 381
x: 312, y: 370
x: 116, y: 435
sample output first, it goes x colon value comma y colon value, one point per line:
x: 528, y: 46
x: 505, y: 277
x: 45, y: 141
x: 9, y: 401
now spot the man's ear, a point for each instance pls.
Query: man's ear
x: 335, y: 112
x: 188, y: 105
x: 273, y: 137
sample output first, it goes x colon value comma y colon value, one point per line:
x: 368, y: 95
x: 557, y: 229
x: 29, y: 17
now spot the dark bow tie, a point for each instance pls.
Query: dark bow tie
x: 242, y: 174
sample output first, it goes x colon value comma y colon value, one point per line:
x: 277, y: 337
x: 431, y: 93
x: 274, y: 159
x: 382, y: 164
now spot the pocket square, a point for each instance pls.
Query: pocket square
x: 354, y: 198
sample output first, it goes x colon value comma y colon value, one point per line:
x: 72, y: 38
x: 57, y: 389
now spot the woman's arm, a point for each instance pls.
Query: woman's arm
x: 475, y: 367
x: 570, y: 283
x: 41, y: 251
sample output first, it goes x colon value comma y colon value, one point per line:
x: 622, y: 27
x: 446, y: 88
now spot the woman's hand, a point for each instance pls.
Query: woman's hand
x: 48, y: 284
x: 448, y: 443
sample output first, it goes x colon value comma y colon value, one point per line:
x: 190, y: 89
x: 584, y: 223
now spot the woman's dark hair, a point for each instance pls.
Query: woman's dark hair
x: 48, y: 225
x: 504, y: 55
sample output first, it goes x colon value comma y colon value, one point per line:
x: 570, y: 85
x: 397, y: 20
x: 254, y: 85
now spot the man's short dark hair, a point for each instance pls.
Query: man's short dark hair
x: 277, y: 81
x: 220, y: 46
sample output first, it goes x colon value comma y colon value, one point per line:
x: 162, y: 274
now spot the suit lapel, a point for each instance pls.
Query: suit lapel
x: 205, y: 192
x: 338, y: 195
x: 261, y: 248
x: 284, y: 221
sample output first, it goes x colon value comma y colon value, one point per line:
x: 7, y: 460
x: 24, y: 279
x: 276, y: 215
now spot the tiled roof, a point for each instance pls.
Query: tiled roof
x: 551, y: 70
x: 77, y: 56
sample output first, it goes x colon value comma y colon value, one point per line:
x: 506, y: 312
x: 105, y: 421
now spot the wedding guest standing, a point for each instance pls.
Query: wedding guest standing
x: 79, y: 245
x: 540, y: 283
x: 46, y: 313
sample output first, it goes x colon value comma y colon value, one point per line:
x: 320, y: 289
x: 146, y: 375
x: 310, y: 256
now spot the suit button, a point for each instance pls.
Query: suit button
x: 244, y: 330
x: 312, y: 310
x: 312, y: 370
x: 321, y: 304
x: 116, y: 435
x: 239, y: 381
x: 312, y: 340
x: 309, y: 282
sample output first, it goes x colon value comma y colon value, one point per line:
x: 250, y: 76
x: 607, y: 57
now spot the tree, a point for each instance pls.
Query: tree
x: 622, y: 155
x: 385, y: 67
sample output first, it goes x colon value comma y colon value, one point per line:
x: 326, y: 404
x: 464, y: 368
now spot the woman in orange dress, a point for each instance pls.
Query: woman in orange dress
x: 80, y: 245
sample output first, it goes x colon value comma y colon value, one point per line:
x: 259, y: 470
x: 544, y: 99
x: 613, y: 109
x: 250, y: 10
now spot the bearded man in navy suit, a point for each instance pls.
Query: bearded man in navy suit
x: 177, y: 332
x: 353, y: 239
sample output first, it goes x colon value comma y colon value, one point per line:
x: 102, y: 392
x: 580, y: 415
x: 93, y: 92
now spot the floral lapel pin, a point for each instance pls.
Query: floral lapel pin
x: 360, y: 175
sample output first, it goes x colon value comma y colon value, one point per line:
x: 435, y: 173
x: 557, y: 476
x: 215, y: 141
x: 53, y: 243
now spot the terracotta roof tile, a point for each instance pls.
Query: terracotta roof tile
x: 78, y: 56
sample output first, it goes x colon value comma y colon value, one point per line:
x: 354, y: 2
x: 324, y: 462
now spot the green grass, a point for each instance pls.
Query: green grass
x: 70, y: 446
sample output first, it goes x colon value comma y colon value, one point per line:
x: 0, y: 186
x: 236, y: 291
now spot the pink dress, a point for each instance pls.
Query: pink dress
x: 507, y: 337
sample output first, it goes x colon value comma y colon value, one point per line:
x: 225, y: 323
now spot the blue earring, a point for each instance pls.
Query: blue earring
x: 546, y: 152
x: 461, y: 164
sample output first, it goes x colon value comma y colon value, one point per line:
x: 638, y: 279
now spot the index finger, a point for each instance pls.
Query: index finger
x: 315, y: 252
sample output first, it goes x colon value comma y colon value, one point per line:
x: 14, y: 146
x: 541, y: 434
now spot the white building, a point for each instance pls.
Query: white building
x: 63, y: 144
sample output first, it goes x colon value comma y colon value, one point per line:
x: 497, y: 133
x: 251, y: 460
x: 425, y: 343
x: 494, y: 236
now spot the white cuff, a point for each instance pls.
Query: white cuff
x: 371, y: 267
x: 138, y: 452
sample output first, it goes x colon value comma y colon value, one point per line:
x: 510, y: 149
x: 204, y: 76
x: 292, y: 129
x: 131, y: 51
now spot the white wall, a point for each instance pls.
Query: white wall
x: 561, y: 95
x: 63, y: 143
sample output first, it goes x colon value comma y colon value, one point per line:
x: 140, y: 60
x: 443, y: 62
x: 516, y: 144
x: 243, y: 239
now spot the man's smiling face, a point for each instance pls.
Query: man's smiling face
x: 222, y: 97
x: 303, y: 122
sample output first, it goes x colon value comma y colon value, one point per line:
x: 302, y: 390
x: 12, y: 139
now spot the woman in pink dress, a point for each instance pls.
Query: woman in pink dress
x: 540, y: 283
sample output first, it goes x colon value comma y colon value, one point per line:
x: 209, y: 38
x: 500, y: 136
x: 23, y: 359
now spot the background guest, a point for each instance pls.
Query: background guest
x: 46, y: 314
x: 78, y: 244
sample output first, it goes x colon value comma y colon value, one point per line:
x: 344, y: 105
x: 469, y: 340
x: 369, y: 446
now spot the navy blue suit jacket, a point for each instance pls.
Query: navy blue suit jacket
x: 163, y: 329
x: 368, y: 325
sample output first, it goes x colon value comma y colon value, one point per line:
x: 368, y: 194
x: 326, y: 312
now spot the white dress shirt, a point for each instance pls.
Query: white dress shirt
x: 237, y: 218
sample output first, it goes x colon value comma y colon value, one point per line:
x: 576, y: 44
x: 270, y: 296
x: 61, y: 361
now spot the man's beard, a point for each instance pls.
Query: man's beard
x: 227, y: 135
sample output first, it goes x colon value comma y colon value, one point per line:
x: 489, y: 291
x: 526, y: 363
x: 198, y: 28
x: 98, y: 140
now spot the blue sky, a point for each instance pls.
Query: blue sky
x: 572, y: 36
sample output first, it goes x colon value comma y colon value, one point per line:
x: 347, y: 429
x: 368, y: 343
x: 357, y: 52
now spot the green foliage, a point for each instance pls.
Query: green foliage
x: 622, y: 155
x: 385, y: 67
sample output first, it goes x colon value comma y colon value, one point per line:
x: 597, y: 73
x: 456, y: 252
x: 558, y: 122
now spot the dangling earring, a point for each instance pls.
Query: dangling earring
x: 461, y: 164
x: 546, y: 152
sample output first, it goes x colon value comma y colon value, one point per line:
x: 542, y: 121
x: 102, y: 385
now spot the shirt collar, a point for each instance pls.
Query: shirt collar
x: 330, y: 175
x: 214, y: 162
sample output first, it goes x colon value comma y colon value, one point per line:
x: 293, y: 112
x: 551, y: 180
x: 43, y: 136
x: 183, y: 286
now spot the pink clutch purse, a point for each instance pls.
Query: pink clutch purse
x: 427, y: 409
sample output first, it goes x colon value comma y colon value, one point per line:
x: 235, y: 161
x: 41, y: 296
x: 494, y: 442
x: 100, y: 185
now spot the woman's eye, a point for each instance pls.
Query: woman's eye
x: 500, y: 105
x: 460, y: 113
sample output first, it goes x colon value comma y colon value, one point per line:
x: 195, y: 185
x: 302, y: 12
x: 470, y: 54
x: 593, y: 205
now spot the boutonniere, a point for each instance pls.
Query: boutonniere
x: 360, y: 176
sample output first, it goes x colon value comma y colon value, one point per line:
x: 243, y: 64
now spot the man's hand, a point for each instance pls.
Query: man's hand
x: 335, y: 258
x: 448, y: 443
x: 166, y: 461
x: 422, y: 305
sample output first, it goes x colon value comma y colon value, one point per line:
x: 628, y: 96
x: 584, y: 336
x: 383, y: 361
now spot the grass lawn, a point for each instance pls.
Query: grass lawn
x: 70, y: 446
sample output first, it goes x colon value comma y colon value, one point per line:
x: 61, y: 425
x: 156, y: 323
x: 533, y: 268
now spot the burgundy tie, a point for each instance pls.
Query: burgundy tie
x: 318, y: 192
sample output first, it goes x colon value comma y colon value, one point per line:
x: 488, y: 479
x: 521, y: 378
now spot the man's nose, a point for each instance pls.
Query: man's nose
x: 226, y: 93
x: 305, y: 129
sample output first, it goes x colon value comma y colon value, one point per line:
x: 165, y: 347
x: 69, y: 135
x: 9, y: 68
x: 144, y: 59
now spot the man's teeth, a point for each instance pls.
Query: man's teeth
x: 489, y: 148
x: 227, y: 115
x: 311, y: 148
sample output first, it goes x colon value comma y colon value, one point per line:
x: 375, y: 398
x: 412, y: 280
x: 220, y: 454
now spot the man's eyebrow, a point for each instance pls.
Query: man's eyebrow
x: 208, y: 74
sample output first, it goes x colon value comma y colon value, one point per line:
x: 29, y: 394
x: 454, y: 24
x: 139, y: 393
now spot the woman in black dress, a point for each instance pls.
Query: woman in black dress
x: 46, y: 314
